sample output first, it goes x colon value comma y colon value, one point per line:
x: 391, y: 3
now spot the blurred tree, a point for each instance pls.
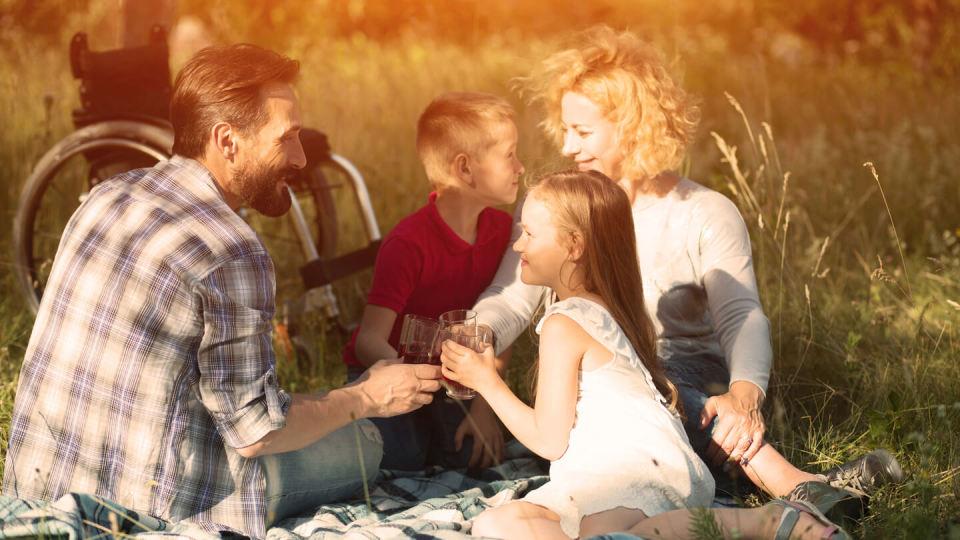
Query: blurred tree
x: 924, y: 33
x: 139, y: 16
x: 43, y: 21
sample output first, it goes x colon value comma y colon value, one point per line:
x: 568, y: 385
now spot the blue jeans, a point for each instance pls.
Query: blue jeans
x: 331, y: 469
x: 697, y: 378
x: 423, y: 437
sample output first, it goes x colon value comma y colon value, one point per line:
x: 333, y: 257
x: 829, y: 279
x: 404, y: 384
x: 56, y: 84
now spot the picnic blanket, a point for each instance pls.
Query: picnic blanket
x: 434, y: 503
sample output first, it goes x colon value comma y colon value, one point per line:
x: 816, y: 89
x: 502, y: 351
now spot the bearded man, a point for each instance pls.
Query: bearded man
x: 150, y: 377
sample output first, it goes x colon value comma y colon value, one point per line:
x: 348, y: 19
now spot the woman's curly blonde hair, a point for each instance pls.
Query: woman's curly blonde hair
x: 628, y: 79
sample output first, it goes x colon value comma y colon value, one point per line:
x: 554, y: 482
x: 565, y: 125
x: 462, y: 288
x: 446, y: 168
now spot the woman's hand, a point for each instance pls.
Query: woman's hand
x: 468, y: 367
x: 738, y: 434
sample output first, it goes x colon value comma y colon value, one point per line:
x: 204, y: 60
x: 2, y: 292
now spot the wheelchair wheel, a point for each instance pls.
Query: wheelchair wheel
x: 320, y: 208
x: 65, y: 174
x: 61, y: 180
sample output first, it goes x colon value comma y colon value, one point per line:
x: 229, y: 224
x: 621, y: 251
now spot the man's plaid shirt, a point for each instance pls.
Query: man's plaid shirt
x: 151, y: 357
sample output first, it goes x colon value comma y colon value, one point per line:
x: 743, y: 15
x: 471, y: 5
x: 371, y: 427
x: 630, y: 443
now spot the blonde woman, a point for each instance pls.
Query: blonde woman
x: 614, y: 108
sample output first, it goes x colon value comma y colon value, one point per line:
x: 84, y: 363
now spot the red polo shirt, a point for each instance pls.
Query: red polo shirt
x: 424, y: 268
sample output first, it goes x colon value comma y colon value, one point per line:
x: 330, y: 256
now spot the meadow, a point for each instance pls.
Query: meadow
x: 844, y: 166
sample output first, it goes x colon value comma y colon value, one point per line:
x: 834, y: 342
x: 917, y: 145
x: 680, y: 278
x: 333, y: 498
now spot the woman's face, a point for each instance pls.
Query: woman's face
x: 588, y: 137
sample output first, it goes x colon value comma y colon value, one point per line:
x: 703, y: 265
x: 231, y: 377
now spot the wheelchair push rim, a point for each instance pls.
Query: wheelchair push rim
x: 149, y: 140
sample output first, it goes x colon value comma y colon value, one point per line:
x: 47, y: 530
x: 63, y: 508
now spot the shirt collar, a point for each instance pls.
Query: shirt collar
x: 196, y: 178
x: 450, y: 239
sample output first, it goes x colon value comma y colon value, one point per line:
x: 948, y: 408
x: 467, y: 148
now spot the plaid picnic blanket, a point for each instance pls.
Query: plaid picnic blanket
x: 432, y: 504
x: 435, y: 503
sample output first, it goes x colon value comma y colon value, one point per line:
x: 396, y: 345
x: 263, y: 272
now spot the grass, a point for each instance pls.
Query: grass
x: 859, y: 267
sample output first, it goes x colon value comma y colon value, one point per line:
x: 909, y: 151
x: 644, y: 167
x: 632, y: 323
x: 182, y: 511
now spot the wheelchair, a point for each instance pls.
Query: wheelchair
x: 122, y: 125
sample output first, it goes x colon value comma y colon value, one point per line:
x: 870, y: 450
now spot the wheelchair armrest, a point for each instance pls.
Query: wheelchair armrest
x: 322, y: 272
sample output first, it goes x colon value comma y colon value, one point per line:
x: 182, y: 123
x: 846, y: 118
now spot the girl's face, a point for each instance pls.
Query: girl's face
x: 542, y: 254
x: 589, y: 137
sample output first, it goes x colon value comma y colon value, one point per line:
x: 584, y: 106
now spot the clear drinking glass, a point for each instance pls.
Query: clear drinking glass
x: 472, y: 336
x: 458, y: 316
x: 418, y: 336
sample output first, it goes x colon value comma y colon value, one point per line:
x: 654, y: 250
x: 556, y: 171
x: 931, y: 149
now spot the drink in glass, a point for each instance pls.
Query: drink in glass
x: 417, y: 337
x: 471, y: 336
x: 466, y: 317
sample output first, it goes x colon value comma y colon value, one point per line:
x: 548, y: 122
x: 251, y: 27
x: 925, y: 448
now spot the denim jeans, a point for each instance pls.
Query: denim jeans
x: 697, y: 378
x: 423, y: 437
x: 331, y: 469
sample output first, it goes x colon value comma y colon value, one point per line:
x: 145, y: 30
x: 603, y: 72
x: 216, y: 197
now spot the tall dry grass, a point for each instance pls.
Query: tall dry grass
x: 859, y: 273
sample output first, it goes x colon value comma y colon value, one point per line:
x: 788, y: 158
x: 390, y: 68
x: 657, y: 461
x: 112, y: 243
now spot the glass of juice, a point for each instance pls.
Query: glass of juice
x: 472, y: 336
x: 466, y: 317
x: 417, y: 337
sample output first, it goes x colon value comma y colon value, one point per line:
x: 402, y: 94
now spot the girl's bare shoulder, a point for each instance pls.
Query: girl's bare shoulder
x: 563, y: 337
x: 560, y: 334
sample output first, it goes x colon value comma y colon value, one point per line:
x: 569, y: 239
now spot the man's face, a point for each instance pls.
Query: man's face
x: 272, y: 155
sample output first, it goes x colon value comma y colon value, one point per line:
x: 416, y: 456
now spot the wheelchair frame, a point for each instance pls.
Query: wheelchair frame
x: 121, y: 111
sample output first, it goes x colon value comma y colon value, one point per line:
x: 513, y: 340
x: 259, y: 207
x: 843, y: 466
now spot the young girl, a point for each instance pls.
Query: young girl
x: 605, y: 415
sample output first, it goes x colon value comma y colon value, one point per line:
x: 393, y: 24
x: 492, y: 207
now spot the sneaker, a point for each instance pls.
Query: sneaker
x: 839, y: 504
x: 866, y: 473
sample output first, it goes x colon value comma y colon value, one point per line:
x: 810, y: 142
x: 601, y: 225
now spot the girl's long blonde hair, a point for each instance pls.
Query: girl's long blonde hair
x: 594, y: 208
x: 628, y: 79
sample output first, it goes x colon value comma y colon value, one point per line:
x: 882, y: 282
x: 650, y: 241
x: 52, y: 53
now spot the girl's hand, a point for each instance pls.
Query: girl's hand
x: 468, y: 367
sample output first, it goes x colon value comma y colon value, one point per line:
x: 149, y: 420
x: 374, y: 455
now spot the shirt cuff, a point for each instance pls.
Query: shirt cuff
x: 763, y: 391
x: 256, y: 419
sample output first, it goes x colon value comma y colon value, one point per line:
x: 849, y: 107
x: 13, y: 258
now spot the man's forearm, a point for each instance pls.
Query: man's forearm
x: 310, y: 418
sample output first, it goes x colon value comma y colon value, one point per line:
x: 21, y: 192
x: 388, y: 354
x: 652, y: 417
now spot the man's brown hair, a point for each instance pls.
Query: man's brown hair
x: 222, y: 84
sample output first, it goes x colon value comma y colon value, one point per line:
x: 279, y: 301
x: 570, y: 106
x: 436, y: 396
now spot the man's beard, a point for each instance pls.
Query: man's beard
x: 265, y: 189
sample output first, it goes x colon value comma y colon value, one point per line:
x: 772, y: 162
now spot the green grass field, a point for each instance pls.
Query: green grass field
x: 859, y: 265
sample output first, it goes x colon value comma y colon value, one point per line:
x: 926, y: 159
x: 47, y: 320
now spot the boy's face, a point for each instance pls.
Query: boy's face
x: 496, y: 172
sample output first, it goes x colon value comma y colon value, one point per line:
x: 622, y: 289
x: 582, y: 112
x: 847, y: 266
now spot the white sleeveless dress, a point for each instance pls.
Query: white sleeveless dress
x: 626, y: 448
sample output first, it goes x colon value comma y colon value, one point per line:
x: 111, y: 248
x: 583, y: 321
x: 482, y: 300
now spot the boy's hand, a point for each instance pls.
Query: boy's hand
x: 468, y: 367
x: 481, y: 423
x: 391, y: 388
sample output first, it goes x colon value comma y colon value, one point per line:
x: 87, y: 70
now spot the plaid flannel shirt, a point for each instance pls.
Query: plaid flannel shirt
x: 151, y: 357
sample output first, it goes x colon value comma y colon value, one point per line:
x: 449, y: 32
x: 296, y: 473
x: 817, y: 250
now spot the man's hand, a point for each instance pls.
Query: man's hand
x: 738, y: 434
x: 391, y: 388
x: 482, y: 424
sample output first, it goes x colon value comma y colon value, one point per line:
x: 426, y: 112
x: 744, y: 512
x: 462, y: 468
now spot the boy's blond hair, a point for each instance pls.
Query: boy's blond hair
x: 458, y: 123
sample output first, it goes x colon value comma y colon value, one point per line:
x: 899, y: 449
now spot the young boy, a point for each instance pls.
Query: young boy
x: 440, y: 258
